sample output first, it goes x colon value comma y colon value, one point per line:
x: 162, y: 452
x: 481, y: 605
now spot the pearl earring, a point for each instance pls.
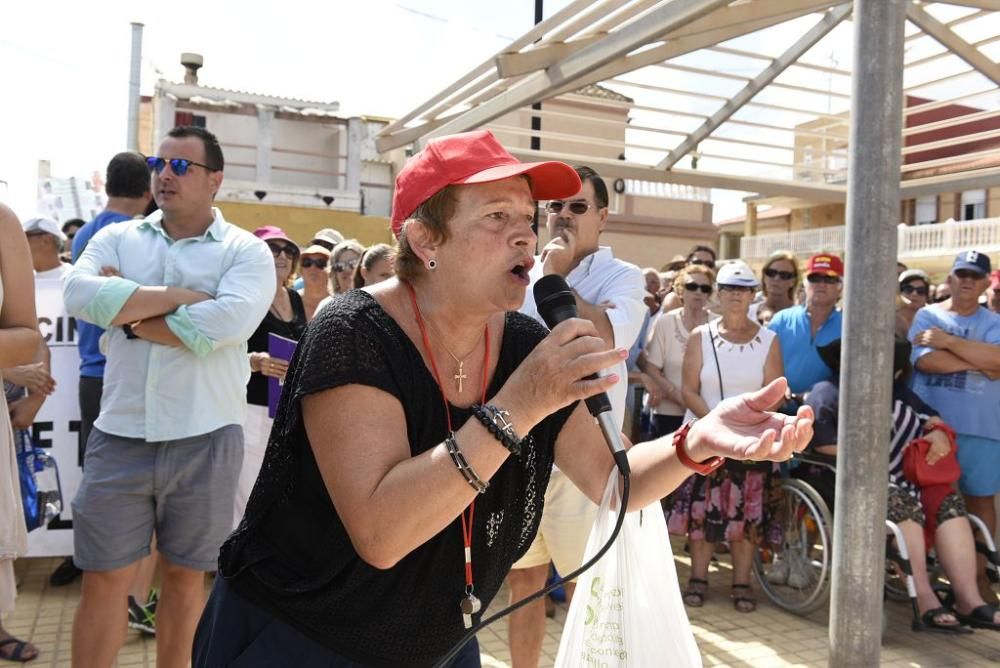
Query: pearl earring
x: 432, y: 264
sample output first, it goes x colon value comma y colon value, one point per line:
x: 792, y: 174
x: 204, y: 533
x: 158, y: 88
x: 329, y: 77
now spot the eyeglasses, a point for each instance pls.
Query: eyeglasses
x: 783, y: 275
x: 907, y: 289
x: 707, y: 263
x: 319, y: 263
x: 823, y: 278
x: 577, y: 208
x: 735, y: 288
x: 963, y: 274
x: 289, y: 250
x: 178, y: 166
x: 347, y: 265
x: 694, y: 287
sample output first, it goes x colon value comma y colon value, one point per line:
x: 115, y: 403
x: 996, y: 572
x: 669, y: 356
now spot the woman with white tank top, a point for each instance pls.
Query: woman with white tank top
x: 725, y: 358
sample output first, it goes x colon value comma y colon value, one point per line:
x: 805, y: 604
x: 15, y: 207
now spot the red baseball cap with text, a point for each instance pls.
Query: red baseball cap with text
x: 467, y: 158
x: 826, y: 264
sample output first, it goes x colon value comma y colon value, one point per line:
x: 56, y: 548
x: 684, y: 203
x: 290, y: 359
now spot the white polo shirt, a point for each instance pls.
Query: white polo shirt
x: 601, y: 278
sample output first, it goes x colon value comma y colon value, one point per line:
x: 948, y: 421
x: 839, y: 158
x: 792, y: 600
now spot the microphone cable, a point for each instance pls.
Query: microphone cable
x: 471, y: 633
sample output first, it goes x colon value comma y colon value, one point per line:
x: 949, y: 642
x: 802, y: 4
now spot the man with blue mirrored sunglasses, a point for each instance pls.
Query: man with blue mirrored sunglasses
x: 179, y: 292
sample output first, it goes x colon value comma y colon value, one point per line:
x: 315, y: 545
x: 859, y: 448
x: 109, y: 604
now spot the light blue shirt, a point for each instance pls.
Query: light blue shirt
x: 966, y: 400
x: 803, y: 365
x: 161, y: 393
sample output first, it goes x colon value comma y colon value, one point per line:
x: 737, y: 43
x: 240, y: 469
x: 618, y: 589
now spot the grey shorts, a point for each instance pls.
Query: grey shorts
x: 184, y: 489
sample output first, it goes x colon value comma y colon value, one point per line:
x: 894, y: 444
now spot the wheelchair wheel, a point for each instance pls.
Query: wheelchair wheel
x: 796, y: 575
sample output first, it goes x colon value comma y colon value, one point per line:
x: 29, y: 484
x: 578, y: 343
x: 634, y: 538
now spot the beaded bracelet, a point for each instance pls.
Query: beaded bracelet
x: 497, y: 423
x: 462, y: 463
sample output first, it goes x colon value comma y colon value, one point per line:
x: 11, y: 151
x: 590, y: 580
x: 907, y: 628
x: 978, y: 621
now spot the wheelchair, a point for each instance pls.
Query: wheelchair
x: 796, y: 575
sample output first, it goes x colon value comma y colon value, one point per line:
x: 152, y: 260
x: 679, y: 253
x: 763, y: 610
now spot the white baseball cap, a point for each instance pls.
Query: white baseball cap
x: 46, y: 225
x: 737, y: 273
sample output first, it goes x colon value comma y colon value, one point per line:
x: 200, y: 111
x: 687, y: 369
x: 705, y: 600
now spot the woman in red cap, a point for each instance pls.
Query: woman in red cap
x: 286, y: 318
x: 420, y: 420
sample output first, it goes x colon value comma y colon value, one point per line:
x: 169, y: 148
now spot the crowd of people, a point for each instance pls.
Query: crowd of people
x: 276, y: 412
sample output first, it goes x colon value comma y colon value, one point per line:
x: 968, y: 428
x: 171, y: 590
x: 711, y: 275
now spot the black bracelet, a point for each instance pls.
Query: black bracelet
x: 129, y: 334
x: 496, y: 422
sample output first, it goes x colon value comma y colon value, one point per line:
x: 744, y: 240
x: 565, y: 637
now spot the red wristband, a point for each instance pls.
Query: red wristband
x: 704, y: 468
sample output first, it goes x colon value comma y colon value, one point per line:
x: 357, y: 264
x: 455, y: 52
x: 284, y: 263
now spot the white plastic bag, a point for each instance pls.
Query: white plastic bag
x: 627, y: 611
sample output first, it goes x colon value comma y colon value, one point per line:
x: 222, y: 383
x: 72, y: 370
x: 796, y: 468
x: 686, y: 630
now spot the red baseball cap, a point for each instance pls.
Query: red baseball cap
x: 472, y: 157
x: 826, y: 264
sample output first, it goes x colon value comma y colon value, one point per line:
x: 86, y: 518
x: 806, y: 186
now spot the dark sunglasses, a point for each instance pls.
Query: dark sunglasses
x: 707, y: 263
x: 967, y: 274
x: 289, y: 250
x: 907, y: 289
x: 349, y: 265
x: 735, y: 288
x: 576, y: 208
x: 694, y: 287
x: 178, y: 166
x: 783, y: 275
x: 822, y: 278
x: 319, y: 263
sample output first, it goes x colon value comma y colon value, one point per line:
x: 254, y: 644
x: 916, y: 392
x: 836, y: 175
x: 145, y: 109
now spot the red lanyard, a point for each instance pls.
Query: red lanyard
x: 466, y: 524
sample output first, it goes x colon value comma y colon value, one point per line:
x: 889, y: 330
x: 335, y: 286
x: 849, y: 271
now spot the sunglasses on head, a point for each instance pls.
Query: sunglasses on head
x: 289, y: 250
x: 178, y: 166
x: 318, y: 262
x: 967, y: 273
x: 345, y: 265
x: 823, y: 278
x: 920, y: 290
x: 706, y: 263
x: 783, y: 275
x: 577, y: 208
x: 694, y: 287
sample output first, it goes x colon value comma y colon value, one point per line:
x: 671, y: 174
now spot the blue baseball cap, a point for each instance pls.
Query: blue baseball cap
x: 972, y: 260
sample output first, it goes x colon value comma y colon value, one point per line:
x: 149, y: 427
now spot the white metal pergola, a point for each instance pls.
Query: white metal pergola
x: 723, y: 88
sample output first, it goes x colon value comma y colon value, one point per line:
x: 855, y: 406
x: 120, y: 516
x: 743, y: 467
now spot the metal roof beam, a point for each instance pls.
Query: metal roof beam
x: 993, y: 5
x: 830, y: 21
x: 953, y: 42
x: 932, y: 185
x: 526, y: 62
x: 570, y: 70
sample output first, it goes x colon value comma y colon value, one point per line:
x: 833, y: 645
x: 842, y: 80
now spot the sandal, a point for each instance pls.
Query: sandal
x: 21, y: 648
x: 743, y: 602
x: 929, y: 623
x: 694, y: 595
x: 980, y: 618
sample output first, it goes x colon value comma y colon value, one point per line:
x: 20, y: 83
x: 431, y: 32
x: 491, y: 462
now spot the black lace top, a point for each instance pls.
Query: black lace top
x: 291, y: 554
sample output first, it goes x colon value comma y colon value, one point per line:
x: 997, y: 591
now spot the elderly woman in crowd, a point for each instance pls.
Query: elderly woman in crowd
x: 19, y: 343
x: 934, y: 515
x: 668, y: 341
x: 314, y: 267
x: 394, y: 497
x: 723, y: 359
x: 286, y: 318
x: 781, y: 279
x: 345, y: 258
x: 914, y: 294
x: 377, y: 264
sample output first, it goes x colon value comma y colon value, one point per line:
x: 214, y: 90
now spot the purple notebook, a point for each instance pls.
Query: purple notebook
x: 282, y: 348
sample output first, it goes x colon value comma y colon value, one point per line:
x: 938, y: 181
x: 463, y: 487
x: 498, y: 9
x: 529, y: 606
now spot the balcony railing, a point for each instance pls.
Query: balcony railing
x: 661, y: 190
x: 913, y: 241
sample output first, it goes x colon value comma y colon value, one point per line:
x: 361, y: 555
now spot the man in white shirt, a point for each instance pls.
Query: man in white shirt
x: 609, y: 293
x: 179, y: 293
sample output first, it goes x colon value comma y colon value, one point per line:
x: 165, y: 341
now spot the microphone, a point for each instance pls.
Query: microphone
x: 555, y: 302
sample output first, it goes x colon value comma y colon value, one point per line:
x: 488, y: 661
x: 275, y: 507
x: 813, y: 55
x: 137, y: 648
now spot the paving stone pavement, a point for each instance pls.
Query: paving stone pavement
x: 767, y: 638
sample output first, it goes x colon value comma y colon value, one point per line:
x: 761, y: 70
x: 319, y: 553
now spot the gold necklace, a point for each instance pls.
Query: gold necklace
x: 460, y: 376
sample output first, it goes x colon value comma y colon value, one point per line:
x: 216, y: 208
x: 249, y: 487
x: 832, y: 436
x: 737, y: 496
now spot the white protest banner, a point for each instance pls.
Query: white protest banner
x: 57, y: 424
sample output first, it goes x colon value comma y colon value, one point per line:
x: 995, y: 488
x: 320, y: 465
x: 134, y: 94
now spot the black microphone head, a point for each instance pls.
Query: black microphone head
x: 554, y: 300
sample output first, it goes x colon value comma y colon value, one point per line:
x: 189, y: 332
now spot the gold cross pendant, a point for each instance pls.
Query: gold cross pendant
x: 460, y: 376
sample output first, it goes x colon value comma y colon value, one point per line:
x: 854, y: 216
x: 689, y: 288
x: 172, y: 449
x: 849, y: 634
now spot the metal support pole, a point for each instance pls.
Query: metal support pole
x: 866, y: 363
x: 134, y: 77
